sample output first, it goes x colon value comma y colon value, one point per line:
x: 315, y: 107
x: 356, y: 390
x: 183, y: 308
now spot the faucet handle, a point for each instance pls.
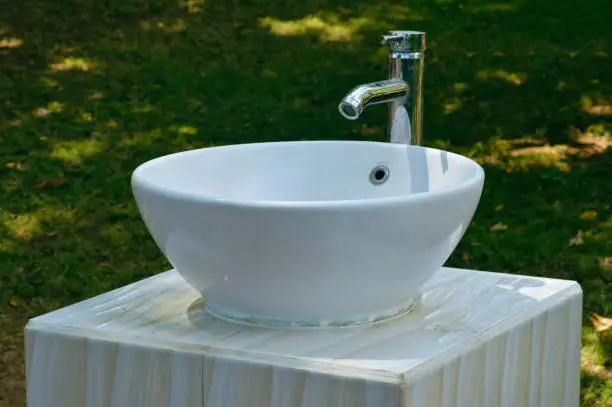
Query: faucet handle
x: 389, y: 38
x: 405, y: 41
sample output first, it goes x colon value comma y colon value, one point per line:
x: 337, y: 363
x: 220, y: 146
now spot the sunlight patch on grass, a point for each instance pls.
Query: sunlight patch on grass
x: 605, y: 263
x: 52, y: 107
x: 193, y: 6
x: 76, y: 151
x: 10, y: 183
x: 400, y: 11
x: 75, y: 64
x: 11, y: 42
x: 95, y: 96
x: 268, y: 73
x: 514, y: 78
x: 48, y: 82
x: 140, y: 138
x: 538, y: 161
x: 169, y: 26
x: 84, y: 117
x: 513, y: 155
x: 539, y: 156
x: 26, y: 226
x: 459, y: 87
x: 592, y: 355
x: 603, y: 234
x: 184, y: 130
x: 143, y: 109
x: 493, y: 7
x: 601, y: 110
x: 596, y: 107
x: 452, y: 105
x: 596, y: 139
x: 588, y: 215
x: 8, y: 245
x: 330, y: 29
x: 16, y: 166
x: 558, y: 150
x: 117, y: 234
x: 529, y: 153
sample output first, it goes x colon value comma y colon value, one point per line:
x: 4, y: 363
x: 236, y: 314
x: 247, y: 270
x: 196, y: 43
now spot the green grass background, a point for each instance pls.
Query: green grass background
x: 91, y: 89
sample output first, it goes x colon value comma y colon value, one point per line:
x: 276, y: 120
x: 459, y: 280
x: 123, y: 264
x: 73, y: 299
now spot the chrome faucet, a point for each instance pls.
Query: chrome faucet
x: 403, y: 91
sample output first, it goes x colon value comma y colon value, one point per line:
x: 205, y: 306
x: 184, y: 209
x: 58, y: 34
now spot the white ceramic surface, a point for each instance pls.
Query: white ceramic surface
x: 149, y: 344
x: 294, y: 233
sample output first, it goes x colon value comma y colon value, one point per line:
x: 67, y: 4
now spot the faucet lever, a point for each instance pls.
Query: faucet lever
x: 388, y: 39
x: 405, y: 41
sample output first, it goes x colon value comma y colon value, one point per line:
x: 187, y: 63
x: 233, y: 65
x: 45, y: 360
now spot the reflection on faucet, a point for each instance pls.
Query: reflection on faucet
x: 400, y: 127
x: 355, y: 102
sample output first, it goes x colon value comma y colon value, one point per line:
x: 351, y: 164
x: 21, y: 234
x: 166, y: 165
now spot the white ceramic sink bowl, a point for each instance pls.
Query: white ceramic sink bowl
x: 296, y: 234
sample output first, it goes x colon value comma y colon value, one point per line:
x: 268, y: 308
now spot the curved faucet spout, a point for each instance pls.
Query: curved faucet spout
x: 355, y: 102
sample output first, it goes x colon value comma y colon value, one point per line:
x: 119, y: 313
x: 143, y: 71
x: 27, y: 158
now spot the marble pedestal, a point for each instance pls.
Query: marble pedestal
x: 477, y: 339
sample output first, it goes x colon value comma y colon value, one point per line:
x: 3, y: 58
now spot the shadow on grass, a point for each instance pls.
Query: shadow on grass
x: 90, y: 89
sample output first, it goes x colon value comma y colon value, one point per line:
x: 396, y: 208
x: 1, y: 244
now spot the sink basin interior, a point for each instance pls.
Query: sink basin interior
x: 311, y: 171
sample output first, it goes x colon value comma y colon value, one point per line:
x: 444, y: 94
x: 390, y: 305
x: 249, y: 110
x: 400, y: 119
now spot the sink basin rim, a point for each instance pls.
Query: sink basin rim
x: 138, y: 178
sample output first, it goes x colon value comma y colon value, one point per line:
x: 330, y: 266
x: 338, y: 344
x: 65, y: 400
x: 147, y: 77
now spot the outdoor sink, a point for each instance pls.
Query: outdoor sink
x: 312, y: 233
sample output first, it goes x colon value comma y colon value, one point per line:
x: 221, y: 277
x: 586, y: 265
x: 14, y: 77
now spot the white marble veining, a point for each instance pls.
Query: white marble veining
x: 478, y: 339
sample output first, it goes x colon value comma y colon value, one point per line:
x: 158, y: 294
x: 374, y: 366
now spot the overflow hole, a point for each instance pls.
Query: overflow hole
x: 379, y: 175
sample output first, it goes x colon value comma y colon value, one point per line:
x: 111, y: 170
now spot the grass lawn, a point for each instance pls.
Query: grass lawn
x: 89, y: 89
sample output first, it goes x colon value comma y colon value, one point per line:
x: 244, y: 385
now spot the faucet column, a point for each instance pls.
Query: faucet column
x: 406, y: 61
